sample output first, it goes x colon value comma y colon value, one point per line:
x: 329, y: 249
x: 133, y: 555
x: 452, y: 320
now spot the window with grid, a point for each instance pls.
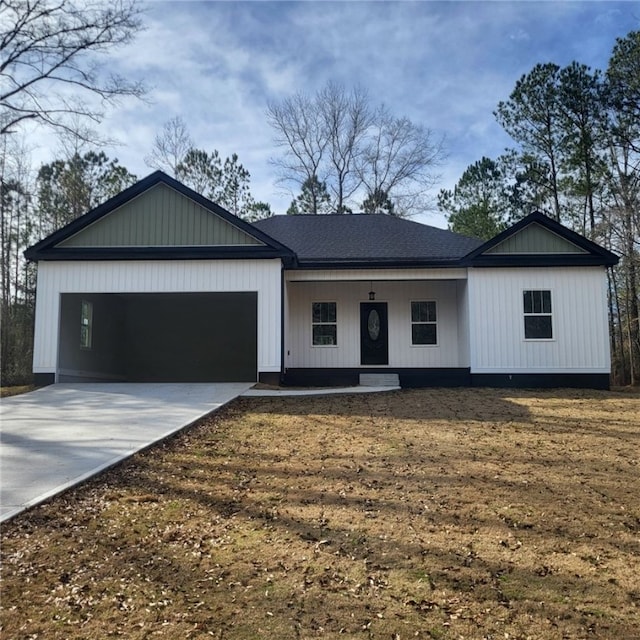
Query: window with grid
x: 424, y: 328
x: 537, y: 314
x: 86, y: 324
x: 324, y: 324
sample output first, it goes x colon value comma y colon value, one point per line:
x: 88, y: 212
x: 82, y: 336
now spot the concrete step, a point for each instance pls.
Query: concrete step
x: 379, y: 380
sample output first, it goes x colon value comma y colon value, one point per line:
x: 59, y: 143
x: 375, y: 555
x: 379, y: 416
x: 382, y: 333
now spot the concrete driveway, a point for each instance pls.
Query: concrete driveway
x: 57, y: 436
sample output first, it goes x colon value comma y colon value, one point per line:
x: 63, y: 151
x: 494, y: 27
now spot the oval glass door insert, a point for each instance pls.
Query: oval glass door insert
x: 373, y: 325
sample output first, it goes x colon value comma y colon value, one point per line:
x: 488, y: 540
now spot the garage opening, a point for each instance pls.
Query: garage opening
x: 158, y: 337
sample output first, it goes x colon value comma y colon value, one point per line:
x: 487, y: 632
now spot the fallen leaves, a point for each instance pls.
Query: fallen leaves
x: 433, y: 513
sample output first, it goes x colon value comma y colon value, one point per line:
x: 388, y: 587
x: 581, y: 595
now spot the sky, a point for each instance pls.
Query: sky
x: 444, y: 65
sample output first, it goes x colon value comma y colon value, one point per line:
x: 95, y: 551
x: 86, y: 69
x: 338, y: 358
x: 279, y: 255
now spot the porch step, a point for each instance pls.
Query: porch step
x: 379, y: 380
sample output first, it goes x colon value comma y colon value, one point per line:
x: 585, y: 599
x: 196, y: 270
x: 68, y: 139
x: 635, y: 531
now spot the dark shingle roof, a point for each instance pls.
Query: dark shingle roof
x: 366, y: 239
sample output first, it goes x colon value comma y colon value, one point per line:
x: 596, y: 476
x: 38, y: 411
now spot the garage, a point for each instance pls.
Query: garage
x: 158, y: 337
x: 158, y: 284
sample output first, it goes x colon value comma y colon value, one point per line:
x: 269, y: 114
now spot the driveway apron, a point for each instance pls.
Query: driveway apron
x: 58, y: 436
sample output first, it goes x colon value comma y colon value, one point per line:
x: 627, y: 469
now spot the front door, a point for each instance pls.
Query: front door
x: 374, y: 334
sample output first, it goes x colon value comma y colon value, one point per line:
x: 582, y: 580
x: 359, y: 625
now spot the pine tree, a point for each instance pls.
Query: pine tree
x: 313, y: 199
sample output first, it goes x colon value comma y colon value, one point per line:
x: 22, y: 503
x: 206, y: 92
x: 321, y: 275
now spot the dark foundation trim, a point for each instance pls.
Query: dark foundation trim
x: 542, y: 380
x: 416, y: 378
x: 446, y: 377
x: 270, y: 377
x: 43, y: 379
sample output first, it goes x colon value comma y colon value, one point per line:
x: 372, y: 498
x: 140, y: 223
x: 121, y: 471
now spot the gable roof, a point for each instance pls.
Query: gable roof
x: 160, y: 217
x: 524, y: 245
x: 308, y: 241
x: 199, y: 229
x: 365, y: 240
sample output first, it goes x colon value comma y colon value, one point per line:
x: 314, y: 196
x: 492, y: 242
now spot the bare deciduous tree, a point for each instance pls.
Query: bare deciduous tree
x: 49, y: 59
x: 170, y: 147
x: 301, y: 133
x: 337, y: 138
x: 399, y: 161
x: 347, y: 117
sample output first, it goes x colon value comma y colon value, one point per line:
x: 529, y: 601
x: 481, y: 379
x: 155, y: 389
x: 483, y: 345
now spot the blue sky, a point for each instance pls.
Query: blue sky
x: 444, y: 65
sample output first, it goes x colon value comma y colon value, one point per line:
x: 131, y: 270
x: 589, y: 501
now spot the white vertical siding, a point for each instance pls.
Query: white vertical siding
x: 463, y: 322
x: 160, y: 276
x: 579, y: 314
x: 348, y: 296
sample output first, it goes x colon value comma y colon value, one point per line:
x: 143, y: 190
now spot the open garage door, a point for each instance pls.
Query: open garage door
x: 163, y: 337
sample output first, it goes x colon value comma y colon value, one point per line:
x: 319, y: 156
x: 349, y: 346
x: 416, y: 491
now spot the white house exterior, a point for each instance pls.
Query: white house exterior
x: 580, y: 342
x: 174, y: 277
x: 159, y: 284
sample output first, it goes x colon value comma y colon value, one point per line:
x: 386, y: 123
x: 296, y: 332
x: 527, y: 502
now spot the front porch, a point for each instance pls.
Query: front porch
x: 340, y: 324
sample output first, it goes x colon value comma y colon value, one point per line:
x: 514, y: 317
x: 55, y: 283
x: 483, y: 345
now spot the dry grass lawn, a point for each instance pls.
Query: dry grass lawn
x: 6, y: 392
x: 430, y: 513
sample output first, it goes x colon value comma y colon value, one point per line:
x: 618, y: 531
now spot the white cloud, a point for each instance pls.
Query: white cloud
x: 443, y: 64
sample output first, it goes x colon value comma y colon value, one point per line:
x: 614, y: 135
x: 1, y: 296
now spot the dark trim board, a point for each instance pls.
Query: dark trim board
x: 542, y: 380
x: 350, y: 377
x: 44, y: 379
x: 416, y: 378
x: 543, y: 260
x: 269, y: 377
x: 249, y: 252
x: 446, y: 377
x: 320, y: 377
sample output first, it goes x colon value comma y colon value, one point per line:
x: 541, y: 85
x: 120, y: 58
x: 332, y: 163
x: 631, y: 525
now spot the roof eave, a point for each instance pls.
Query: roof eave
x: 376, y: 263
x: 542, y: 260
x: 159, y: 253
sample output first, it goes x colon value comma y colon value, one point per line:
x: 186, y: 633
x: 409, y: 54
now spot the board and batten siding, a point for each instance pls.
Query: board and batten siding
x: 580, y: 341
x: 160, y: 217
x: 158, y: 276
x: 535, y: 239
x: 300, y: 353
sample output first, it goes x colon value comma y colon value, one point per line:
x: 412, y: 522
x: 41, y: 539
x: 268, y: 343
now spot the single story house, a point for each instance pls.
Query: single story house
x: 161, y: 284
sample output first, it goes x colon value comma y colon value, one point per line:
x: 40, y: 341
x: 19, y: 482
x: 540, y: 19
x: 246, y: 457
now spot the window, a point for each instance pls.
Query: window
x: 423, y: 323
x: 86, y: 324
x: 324, y: 326
x: 537, y: 315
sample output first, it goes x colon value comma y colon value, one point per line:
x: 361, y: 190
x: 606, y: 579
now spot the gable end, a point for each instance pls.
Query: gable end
x: 160, y: 217
x: 539, y: 241
x: 535, y: 239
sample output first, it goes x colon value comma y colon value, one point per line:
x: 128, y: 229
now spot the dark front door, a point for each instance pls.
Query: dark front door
x: 374, y: 335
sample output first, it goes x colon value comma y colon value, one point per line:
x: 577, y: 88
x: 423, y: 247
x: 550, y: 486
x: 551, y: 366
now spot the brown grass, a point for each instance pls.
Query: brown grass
x: 6, y: 392
x: 431, y: 514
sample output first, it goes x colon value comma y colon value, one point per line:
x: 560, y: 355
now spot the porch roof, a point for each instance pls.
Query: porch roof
x: 366, y: 240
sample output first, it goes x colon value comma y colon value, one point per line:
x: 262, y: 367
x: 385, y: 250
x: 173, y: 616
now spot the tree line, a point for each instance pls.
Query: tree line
x: 576, y: 158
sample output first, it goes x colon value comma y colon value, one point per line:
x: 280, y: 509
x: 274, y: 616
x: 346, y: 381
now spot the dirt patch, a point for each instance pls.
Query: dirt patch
x: 428, y: 513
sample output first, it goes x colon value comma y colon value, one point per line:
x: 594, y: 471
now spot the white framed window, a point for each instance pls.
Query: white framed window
x: 538, y: 323
x: 324, y: 324
x: 424, y: 322
x: 86, y: 324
